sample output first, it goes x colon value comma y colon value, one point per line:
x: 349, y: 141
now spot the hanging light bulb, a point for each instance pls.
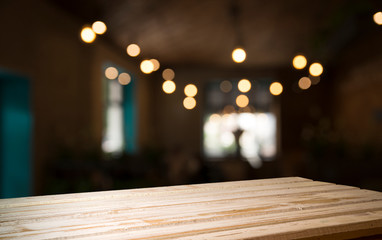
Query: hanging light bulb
x: 168, y: 86
x: 88, y: 35
x: 99, y: 27
x: 239, y: 55
x: 316, y: 69
x: 378, y: 18
x: 190, y: 90
x: 133, y: 50
x: 189, y: 103
x: 299, y: 62
x: 276, y: 88
x: 147, y: 66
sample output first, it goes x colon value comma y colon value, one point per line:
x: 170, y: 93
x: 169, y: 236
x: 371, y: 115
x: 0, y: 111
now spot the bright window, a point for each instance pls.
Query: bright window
x: 232, y: 131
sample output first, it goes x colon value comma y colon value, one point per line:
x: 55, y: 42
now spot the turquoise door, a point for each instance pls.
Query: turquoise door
x: 15, y: 136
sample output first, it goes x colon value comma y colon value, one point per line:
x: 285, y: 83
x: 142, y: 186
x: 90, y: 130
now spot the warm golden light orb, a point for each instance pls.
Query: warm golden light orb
x: 244, y: 85
x: 133, y: 50
x: 111, y: 73
x: 225, y: 86
x: 299, y: 62
x: 228, y: 109
x: 316, y: 69
x: 314, y: 80
x: 147, y: 66
x: 304, y: 83
x: 190, y: 90
x: 168, y: 74
x: 276, y: 88
x: 215, y: 117
x: 238, y: 55
x: 124, y: 78
x: 168, y: 86
x: 155, y: 63
x: 378, y: 18
x: 189, y: 102
x: 242, y: 101
x: 99, y: 27
x: 88, y: 35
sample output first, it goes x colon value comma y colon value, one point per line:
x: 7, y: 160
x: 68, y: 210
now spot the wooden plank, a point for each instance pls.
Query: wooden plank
x: 230, y: 210
x: 147, y: 192
x: 180, y: 228
x: 147, y: 202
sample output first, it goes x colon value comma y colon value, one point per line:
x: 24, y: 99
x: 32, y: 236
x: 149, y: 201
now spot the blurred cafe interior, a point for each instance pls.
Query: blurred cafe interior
x: 102, y: 95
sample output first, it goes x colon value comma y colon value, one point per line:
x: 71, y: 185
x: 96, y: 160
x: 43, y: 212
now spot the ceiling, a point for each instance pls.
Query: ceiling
x: 204, y: 32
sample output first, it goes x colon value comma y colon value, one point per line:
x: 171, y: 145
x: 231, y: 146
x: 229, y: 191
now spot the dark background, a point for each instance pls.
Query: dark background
x: 330, y: 132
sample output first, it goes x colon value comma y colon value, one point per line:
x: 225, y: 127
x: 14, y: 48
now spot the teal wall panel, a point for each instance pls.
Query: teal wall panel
x: 15, y: 136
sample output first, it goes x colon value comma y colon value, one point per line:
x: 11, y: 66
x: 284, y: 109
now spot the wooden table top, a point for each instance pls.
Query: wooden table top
x: 278, y: 208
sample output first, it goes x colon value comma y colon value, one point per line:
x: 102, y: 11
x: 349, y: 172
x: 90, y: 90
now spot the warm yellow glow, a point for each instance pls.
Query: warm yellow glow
x: 111, y: 73
x: 238, y: 55
x: 226, y: 86
x: 190, y: 90
x: 168, y: 86
x: 316, y: 69
x: 87, y: 35
x: 155, y: 63
x: 99, y: 27
x: 378, y: 18
x: 304, y: 83
x: 315, y: 80
x: 229, y: 109
x: 133, y: 50
x: 246, y: 109
x: 242, y: 101
x: 215, y: 117
x: 299, y: 62
x: 124, y: 78
x: 168, y: 74
x: 276, y: 88
x: 244, y: 85
x: 147, y: 66
x: 189, y: 102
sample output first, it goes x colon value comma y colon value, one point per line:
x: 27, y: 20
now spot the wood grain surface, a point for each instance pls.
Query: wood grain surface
x: 279, y: 208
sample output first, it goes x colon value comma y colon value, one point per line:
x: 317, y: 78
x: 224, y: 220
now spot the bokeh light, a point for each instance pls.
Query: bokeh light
x: 316, y: 69
x: 111, y: 73
x: 238, y: 55
x: 215, y: 117
x: 226, y: 86
x: 168, y: 74
x: 247, y: 109
x: 155, y: 63
x: 190, y: 90
x: 378, y: 18
x: 299, y: 62
x: 133, y: 50
x: 244, y: 85
x: 99, y: 27
x: 227, y: 139
x: 168, y: 86
x: 124, y: 78
x: 88, y: 35
x: 147, y: 66
x: 189, y: 102
x: 242, y: 101
x: 304, y: 83
x: 276, y: 88
x: 229, y: 109
x: 315, y: 80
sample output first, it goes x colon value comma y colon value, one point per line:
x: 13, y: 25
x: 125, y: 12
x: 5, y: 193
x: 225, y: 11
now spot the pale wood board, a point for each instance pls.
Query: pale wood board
x: 279, y: 208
